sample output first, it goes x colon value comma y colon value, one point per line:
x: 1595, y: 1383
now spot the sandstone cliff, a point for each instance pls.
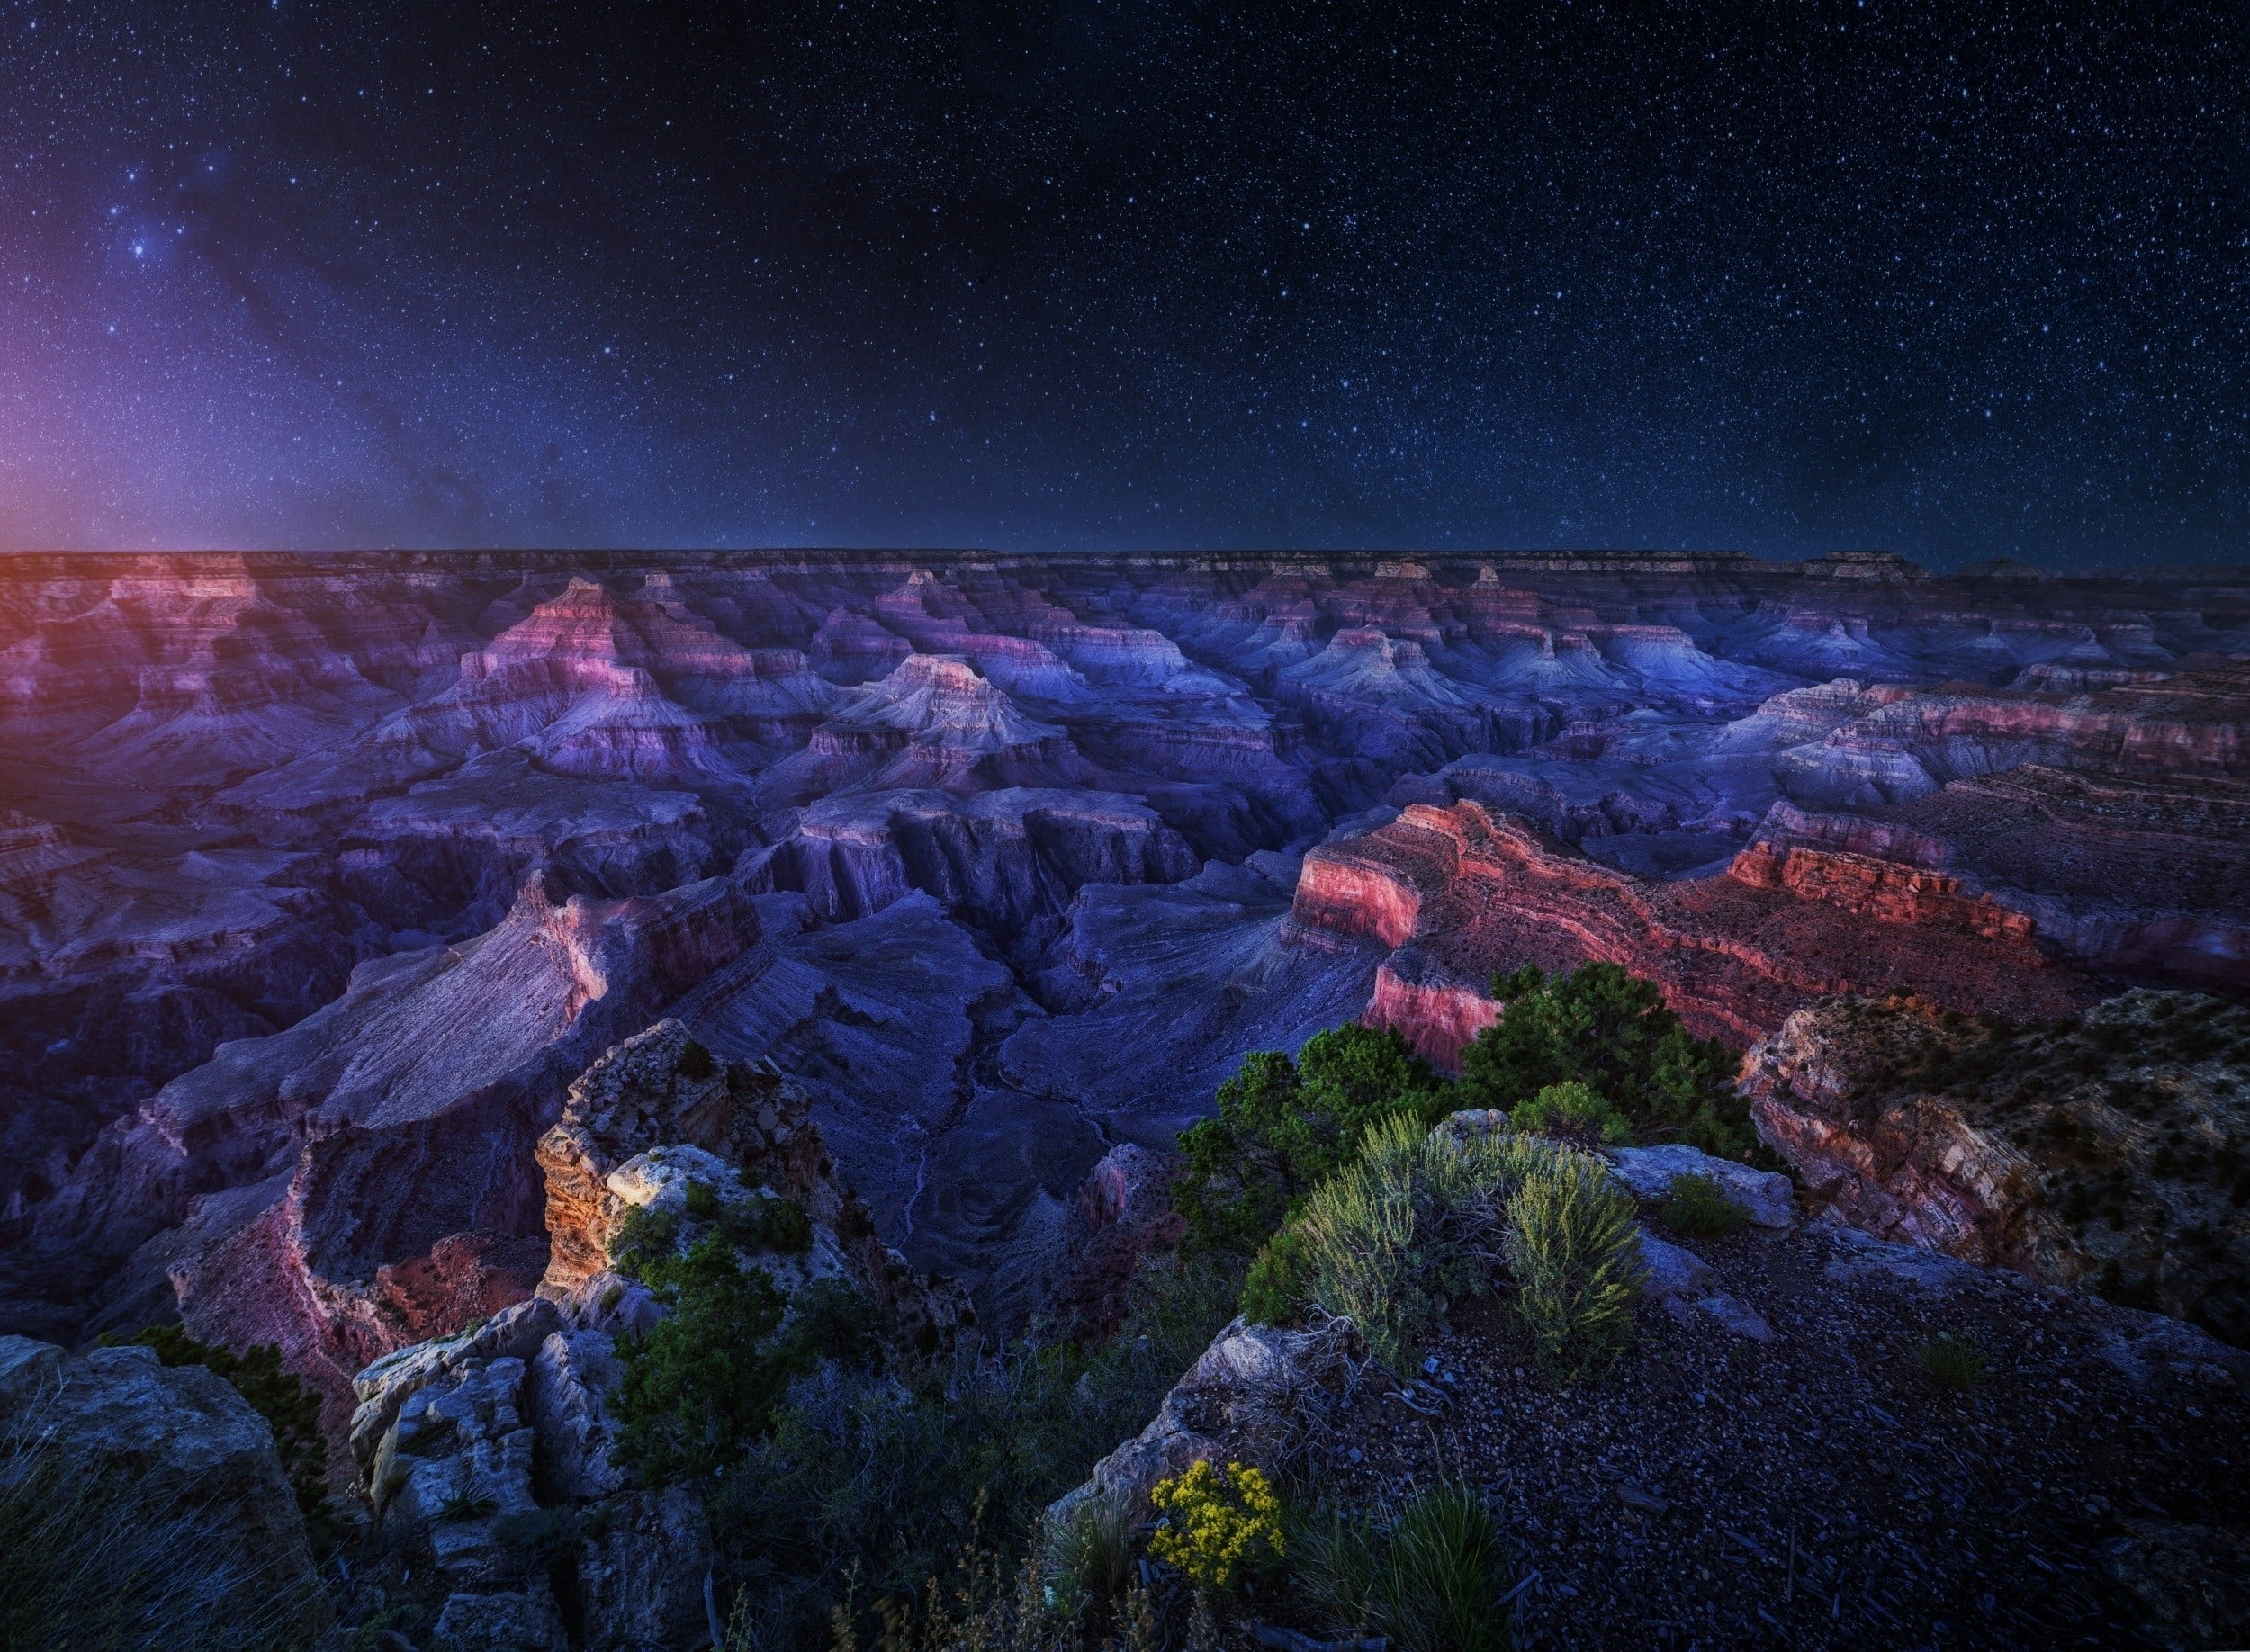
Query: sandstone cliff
x: 1461, y: 895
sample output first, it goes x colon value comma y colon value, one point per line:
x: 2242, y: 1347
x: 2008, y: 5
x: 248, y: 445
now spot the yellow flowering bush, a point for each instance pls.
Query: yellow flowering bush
x: 1215, y: 1519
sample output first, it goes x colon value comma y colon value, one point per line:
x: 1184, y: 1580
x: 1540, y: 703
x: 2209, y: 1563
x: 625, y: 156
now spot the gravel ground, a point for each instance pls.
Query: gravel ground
x: 1820, y: 1489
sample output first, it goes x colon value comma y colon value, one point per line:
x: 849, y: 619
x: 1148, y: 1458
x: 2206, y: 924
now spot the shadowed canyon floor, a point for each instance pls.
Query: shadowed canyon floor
x: 320, y: 879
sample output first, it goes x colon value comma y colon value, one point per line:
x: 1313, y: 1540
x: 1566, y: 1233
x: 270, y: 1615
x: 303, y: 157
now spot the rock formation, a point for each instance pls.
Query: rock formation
x: 2103, y: 1152
x: 321, y: 879
x: 1461, y: 895
x: 1773, y: 1423
x: 455, y: 1435
x: 141, y: 1454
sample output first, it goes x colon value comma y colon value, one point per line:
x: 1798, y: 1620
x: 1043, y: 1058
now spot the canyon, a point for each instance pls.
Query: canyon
x: 324, y: 879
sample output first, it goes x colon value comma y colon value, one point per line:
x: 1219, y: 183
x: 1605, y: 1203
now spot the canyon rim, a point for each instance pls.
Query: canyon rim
x: 325, y: 878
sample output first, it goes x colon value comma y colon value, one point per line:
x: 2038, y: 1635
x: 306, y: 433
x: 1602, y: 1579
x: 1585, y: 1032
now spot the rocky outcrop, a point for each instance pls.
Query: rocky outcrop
x: 1765, y: 1196
x: 1440, y: 1015
x: 189, y: 1464
x: 368, y: 1177
x: 1009, y: 859
x: 1764, y: 1363
x: 456, y: 1435
x: 2138, y: 871
x: 2192, y: 721
x: 1882, y: 890
x: 239, y: 777
x: 1248, y: 1398
x: 524, y: 1619
x: 2102, y: 1152
x: 1476, y: 894
x: 660, y: 1088
x: 659, y: 1112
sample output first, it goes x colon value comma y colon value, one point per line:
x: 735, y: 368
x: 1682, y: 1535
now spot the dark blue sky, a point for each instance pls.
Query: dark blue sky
x: 1955, y: 279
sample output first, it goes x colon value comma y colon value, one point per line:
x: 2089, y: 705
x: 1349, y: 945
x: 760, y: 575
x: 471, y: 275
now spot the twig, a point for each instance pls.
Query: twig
x: 1522, y: 1585
x: 1411, y: 1403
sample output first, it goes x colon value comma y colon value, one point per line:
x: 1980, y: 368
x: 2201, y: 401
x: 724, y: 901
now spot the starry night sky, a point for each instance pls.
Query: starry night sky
x: 1955, y: 279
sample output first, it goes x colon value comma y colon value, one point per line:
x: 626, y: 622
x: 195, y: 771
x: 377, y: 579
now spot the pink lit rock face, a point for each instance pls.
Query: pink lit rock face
x: 322, y: 879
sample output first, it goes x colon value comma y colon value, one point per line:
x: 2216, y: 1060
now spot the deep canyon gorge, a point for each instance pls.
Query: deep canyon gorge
x: 323, y: 877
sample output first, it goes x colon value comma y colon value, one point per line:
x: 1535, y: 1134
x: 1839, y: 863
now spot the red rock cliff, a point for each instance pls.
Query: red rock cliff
x: 1476, y: 894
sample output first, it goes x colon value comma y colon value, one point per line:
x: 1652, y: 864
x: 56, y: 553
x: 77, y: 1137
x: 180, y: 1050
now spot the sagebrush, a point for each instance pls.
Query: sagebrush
x: 1412, y: 1223
x: 1573, y: 1244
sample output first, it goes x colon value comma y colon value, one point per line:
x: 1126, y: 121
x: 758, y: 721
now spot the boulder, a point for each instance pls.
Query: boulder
x: 509, y: 1620
x: 1860, y: 1255
x: 2192, y: 1581
x: 456, y: 1462
x: 1766, y: 1196
x: 1681, y: 1281
x: 640, y: 1572
x: 1247, y: 1397
x: 384, y: 1386
x: 183, y: 1442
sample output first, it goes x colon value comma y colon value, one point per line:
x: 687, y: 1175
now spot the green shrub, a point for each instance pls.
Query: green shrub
x: 1953, y: 1363
x: 1414, y: 1219
x: 833, y: 1319
x: 1276, y: 1287
x: 648, y: 1247
x: 864, y: 1478
x: 695, y: 1061
x: 1574, y: 1248
x: 1088, y: 1556
x: 1571, y: 1112
x: 704, y: 1382
x: 1283, y: 1125
x: 647, y: 1239
x: 759, y: 1223
x: 1699, y: 1206
x: 291, y: 1408
x: 1429, y: 1575
x: 1612, y: 1033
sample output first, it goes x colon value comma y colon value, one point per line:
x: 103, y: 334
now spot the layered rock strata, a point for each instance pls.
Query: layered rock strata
x: 2102, y: 1152
x: 1074, y: 788
x: 1461, y: 895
